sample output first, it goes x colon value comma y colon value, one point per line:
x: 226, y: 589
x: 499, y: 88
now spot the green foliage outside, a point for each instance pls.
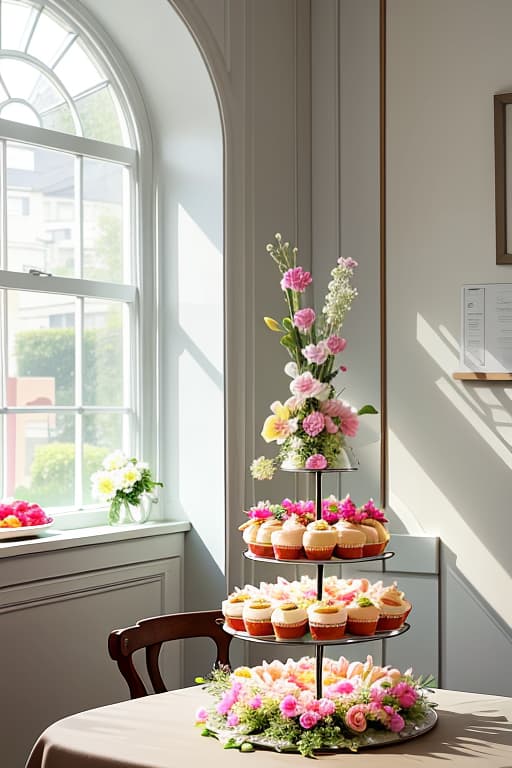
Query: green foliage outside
x: 53, y: 474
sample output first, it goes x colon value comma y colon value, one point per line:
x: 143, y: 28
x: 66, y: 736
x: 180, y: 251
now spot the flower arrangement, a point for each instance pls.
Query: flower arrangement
x: 122, y: 480
x: 312, y: 424
x: 275, y: 705
x: 18, y: 514
x: 332, y: 511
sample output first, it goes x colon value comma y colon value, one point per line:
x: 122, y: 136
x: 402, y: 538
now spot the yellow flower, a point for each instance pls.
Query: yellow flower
x: 11, y: 521
x: 276, y: 427
x: 242, y: 672
x: 272, y: 324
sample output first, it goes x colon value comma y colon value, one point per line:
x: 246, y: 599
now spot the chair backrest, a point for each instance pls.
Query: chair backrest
x: 151, y: 633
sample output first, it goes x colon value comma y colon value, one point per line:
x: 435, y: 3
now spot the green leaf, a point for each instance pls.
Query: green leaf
x: 366, y: 409
x: 287, y: 341
x: 287, y: 323
x: 231, y: 744
x: 246, y: 746
x: 207, y: 732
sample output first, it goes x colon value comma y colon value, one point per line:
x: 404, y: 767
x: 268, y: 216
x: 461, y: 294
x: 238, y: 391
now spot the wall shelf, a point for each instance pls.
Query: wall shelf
x: 481, y: 376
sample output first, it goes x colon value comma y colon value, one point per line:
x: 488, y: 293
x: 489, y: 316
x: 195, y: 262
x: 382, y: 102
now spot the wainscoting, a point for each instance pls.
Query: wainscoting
x: 59, y: 599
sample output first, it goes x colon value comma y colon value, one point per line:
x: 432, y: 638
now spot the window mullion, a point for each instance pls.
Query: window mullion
x: 79, y: 217
x: 79, y: 369
x: 3, y: 205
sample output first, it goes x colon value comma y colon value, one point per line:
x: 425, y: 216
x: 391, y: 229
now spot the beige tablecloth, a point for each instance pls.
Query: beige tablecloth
x: 473, y: 731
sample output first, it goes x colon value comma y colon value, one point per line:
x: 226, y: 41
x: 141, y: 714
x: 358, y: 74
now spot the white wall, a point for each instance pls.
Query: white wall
x: 450, y: 443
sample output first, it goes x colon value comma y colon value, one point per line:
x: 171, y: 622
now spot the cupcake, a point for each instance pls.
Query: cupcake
x: 232, y: 608
x: 263, y: 544
x: 250, y: 530
x: 362, y: 616
x: 351, y: 540
x: 256, y: 615
x: 289, y: 621
x: 374, y: 518
x: 372, y: 545
x: 319, y: 540
x: 327, y: 620
x: 287, y: 541
x: 394, y: 609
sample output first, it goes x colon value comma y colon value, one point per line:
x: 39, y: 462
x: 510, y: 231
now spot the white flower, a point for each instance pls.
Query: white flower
x: 115, y: 460
x: 142, y: 465
x: 104, y: 485
x: 291, y: 370
x: 129, y: 476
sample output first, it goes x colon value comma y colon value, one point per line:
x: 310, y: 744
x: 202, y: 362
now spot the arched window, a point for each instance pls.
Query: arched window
x: 69, y: 258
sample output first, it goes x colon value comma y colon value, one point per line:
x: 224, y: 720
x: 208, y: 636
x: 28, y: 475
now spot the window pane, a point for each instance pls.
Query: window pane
x: 77, y: 71
x: 41, y: 349
x: 103, y: 433
x: 19, y: 78
x: 17, y: 20
x: 103, y: 353
x: 48, y: 40
x: 59, y: 119
x: 45, y: 240
x: 104, y: 213
x: 100, y: 118
x: 41, y: 458
x: 19, y: 113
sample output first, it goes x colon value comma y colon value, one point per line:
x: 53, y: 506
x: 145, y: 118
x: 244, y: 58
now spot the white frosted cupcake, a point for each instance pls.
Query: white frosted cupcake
x: 287, y: 540
x: 249, y: 533
x: 319, y: 540
x: 392, y: 605
x: 362, y: 616
x: 263, y: 544
x: 327, y: 620
x: 351, y: 540
x: 232, y: 608
x: 256, y: 615
x: 289, y: 621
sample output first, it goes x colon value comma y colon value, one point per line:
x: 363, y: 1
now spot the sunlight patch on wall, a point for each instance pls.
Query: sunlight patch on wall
x: 436, y: 515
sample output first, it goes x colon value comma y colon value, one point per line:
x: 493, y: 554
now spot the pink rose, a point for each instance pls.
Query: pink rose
x: 317, y: 461
x: 296, y: 280
x: 349, y: 420
x: 308, y: 720
x: 255, y: 703
x: 330, y: 426
x: 344, y: 687
x: 355, y: 718
x: 303, y: 319
x: 305, y: 386
x: 397, y: 723
x: 289, y: 706
x: 313, y: 424
x: 336, y: 344
x: 233, y: 720
x: 405, y: 694
x: 316, y: 353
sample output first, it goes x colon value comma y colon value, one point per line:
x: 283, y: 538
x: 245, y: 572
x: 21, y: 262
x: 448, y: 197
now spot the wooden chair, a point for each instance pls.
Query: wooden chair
x: 151, y: 633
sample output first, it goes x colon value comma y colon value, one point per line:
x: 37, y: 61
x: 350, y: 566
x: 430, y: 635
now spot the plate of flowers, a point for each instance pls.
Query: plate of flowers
x: 22, y: 519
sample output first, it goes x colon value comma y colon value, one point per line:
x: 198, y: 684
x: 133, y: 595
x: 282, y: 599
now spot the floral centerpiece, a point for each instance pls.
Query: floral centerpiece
x: 312, y: 424
x: 275, y: 705
x: 123, y: 482
x: 20, y: 514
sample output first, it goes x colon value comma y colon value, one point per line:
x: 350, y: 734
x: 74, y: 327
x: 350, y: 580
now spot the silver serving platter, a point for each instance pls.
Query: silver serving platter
x: 332, y: 560
x: 370, y: 738
x: 308, y: 640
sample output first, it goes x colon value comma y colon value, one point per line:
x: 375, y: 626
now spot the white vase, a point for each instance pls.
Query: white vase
x: 343, y: 461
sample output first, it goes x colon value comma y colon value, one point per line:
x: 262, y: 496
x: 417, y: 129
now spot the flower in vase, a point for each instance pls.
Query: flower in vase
x: 122, y: 481
x: 312, y: 425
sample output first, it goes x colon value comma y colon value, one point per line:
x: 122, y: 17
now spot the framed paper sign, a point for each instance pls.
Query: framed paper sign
x: 486, y: 328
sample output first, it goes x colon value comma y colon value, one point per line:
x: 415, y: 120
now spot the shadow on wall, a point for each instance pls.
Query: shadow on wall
x: 474, y: 636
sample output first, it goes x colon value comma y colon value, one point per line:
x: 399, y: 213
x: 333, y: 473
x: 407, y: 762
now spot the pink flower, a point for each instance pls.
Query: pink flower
x: 317, y: 461
x: 313, y: 424
x: 289, y: 706
x: 349, y: 420
x: 343, y: 368
x: 296, y: 279
x: 330, y: 426
x: 225, y: 704
x: 373, y: 512
x: 326, y: 707
x: 306, y: 385
x: 201, y: 715
x: 303, y: 319
x: 308, y: 720
x: 233, y: 720
x: 255, y: 703
x: 405, y: 694
x: 336, y: 344
x: 397, y: 723
x: 348, y: 263
x: 344, y: 687
x: 331, y: 407
x: 316, y: 353
x: 355, y: 718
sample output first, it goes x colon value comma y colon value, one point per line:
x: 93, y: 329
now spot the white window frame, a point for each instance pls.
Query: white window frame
x: 141, y: 295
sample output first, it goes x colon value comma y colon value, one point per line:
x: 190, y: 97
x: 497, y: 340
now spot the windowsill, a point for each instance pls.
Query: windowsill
x: 56, y: 539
